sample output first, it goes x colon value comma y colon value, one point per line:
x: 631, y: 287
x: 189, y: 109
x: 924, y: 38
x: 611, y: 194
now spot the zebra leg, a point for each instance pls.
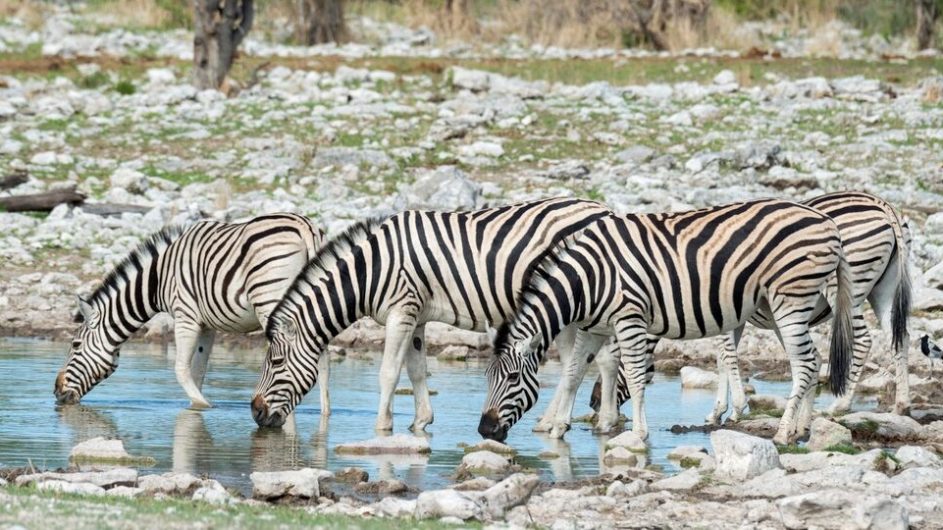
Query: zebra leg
x: 728, y: 367
x: 201, y: 358
x: 186, y: 336
x: 723, y: 384
x: 565, y: 342
x: 399, y: 332
x: 416, y: 369
x: 611, y: 374
x: 804, y: 362
x: 902, y: 378
x: 585, y: 348
x: 632, y: 336
x: 324, y: 377
x: 842, y: 403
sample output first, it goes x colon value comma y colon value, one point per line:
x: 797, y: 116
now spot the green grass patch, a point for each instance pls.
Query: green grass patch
x: 87, y: 512
x: 688, y: 462
x: 125, y: 87
x: 847, y: 449
x: 792, y: 449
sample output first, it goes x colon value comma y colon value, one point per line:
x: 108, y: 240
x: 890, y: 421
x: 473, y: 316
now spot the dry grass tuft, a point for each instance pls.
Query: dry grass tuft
x: 30, y: 12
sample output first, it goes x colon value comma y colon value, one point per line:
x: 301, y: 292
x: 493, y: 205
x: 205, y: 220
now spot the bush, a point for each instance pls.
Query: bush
x: 125, y: 87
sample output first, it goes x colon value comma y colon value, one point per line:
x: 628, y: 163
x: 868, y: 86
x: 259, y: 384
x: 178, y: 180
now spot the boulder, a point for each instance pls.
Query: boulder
x: 618, y: 489
x: 213, y: 492
x: 620, y: 455
x: 446, y: 503
x: 491, y: 445
x: 464, y: 78
x: 77, y: 488
x: 835, y: 508
x: 683, y: 481
x: 914, y: 456
x: 351, y: 475
x: 687, y: 451
x: 108, y: 451
x: 485, y: 462
x: 934, y: 275
x: 121, y: 476
x: 395, y: 507
x: 628, y: 440
x: 475, y: 484
x: 382, y: 487
x: 760, y: 402
x: 883, y: 424
x: 510, y: 492
x: 305, y: 483
x: 826, y: 433
x: 179, y: 483
x: 129, y: 179
x: 694, y: 377
x: 446, y: 188
x: 741, y: 456
x: 127, y: 492
x: 395, y: 444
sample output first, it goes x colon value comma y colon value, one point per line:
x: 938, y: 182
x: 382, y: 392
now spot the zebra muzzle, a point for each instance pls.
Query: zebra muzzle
x: 65, y: 395
x: 263, y: 417
x: 490, y: 427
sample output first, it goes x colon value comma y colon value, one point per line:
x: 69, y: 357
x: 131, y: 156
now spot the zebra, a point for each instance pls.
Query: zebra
x: 679, y: 275
x: 876, y: 244
x: 210, y: 276
x: 414, y: 267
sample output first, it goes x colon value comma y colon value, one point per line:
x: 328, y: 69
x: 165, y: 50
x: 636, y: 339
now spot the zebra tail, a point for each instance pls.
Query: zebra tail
x: 900, y: 309
x: 842, y: 343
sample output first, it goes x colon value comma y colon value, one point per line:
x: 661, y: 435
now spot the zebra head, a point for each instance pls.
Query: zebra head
x: 92, y: 357
x: 288, y: 373
x: 512, y: 386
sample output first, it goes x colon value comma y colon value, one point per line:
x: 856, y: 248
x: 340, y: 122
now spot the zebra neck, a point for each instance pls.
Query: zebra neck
x: 131, y: 296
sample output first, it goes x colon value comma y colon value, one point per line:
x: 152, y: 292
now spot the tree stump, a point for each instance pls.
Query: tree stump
x: 928, y: 11
x: 321, y: 21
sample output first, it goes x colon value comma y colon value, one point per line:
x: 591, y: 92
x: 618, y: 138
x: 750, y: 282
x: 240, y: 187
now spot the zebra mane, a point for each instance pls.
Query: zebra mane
x: 147, y: 249
x: 535, y: 278
x: 325, y: 258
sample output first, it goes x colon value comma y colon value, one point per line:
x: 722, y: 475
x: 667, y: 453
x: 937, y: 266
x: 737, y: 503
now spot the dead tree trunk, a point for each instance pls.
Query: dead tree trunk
x: 13, y: 180
x: 220, y: 25
x: 663, y: 22
x: 41, y: 202
x: 927, y: 14
x: 321, y: 21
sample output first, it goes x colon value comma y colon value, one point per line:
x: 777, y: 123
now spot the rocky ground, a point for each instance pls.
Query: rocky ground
x: 339, y: 133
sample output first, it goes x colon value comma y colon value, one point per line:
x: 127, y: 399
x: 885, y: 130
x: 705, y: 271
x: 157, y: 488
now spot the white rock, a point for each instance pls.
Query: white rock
x: 43, y: 158
x: 510, y: 492
x: 297, y: 483
x: 161, y: 76
x: 826, y: 433
x: 395, y: 507
x: 694, y: 377
x: 620, y: 455
x: 934, y: 275
x: 618, y: 489
x: 628, y: 440
x: 395, y: 444
x: 446, y: 503
x: 488, y: 149
x: 493, y: 446
x: 79, y: 488
x: 881, y: 514
x: 121, y: 476
x: 129, y: 179
x: 888, y: 425
x: 725, y: 77
x: 832, y: 508
x: 169, y: 483
x: 447, y: 188
x: 99, y: 449
x: 741, y: 456
x: 914, y: 456
x: 127, y: 492
x: 474, y: 80
x: 687, y: 451
x: 485, y: 461
x: 683, y: 481
x: 213, y: 492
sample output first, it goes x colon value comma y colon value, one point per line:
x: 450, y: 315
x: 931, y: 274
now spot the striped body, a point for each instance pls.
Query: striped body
x: 210, y: 276
x: 679, y: 275
x: 874, y: 242
x: 460, y: 268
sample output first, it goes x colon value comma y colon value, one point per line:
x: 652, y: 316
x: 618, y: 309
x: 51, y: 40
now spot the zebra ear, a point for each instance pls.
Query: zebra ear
x: 288, y: 329
x: 87, y: 312
x: 534, y: 342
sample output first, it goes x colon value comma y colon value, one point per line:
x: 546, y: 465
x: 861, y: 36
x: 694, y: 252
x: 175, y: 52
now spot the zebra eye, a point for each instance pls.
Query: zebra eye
x: 277, y: 362
x: 514, y: 377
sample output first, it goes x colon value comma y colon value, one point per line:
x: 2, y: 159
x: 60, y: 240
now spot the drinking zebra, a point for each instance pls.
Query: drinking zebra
x: 876, y: 244
x: 680, y: 275
x: 460, y: 268
x: 210, y: 277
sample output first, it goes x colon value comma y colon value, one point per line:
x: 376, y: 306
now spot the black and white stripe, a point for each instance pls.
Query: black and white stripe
x: 210, y: 277
x: 680, y: 275
x: 875, y: 242
x: 460, y: 268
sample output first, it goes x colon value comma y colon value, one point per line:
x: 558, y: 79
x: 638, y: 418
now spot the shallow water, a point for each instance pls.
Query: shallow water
x: 142, y: 405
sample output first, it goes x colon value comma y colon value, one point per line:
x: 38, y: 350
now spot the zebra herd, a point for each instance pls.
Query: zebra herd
x: 606, y: 287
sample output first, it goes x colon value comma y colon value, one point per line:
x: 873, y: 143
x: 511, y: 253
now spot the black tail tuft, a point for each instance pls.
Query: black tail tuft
x: 842, y: 343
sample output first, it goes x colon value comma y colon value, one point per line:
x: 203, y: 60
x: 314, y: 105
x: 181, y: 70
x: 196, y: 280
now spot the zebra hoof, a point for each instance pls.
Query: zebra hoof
x: 200, y: 404
x: 542, y: 426
x: 558, y: 431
